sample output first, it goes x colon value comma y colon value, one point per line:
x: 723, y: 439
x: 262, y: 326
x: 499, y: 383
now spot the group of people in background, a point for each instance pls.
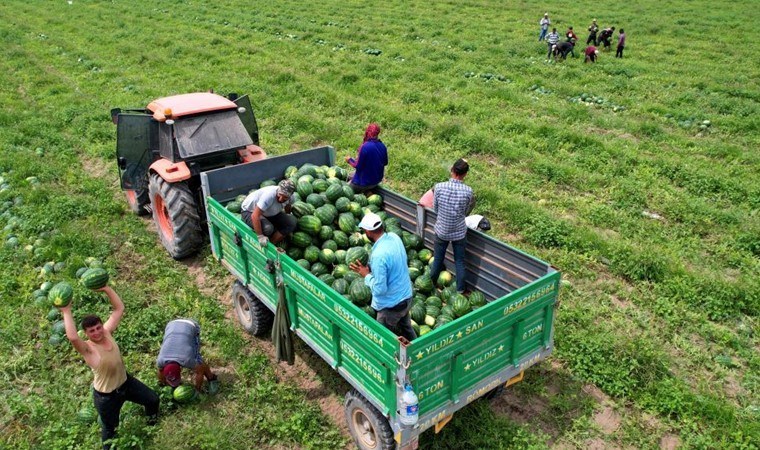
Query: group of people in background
x: 559, y: 48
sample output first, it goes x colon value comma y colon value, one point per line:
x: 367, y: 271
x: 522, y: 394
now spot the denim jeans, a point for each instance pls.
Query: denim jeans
x: 542, y: 35
x: 439, y: 253
x: 109, y: 405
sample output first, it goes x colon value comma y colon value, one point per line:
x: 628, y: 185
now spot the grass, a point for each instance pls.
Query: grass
x: 661, y: 314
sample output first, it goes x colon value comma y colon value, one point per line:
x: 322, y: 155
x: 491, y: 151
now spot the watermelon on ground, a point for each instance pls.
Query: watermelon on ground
x: 184, y: 393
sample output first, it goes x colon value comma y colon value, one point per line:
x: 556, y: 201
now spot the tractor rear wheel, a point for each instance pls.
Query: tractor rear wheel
x: 176, y: 216
x: 137, y: 199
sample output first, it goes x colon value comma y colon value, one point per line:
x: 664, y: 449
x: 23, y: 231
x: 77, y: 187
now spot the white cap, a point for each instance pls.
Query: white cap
x: 370, y: 222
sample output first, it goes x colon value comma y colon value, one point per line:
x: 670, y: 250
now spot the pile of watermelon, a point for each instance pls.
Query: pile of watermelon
x: 328, y: 240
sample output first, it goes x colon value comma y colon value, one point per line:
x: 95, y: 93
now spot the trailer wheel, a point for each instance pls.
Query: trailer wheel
x: 176, y: 216
x: 369, y: 428
x: 137, y: 199
x: 494, y: 393
x: 253, y: 315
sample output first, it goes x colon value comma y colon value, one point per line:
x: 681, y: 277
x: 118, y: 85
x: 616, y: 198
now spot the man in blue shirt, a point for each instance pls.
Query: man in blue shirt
x: 452, y: 201
x: 370, y: 162
x: 388, y: 277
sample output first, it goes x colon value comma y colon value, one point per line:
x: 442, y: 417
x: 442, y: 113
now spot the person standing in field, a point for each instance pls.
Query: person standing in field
x: 452, y: 201
x: 545, y: 22
x: 181, y: 347
x: 605, y: 36
x: 571, y: 38
x: 551, y: 40
x: 387, y: 276
x: 112, y: 385
x: 591, y: 54
x: 621, y: 44
x: 592, y: 30
x: 370, y: 162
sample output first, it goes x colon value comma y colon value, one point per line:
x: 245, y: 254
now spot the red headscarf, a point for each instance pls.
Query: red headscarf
x: 173, y: 374
x: 373, y: 130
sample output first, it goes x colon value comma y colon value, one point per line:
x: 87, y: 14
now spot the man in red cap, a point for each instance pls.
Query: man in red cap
x: 181, y: 347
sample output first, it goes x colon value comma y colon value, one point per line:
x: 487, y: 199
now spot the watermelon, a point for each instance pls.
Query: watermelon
x: 325, y: 214
x: 309, y: 224
x: 53, y: 314
x: 94, y: 278
x: 304, y: 188
x: 61, y: 294
x: 370, y: 311
x: 395, y: 230
x: 477, y: 300
x: 342, y: 204
x: 361, y: 199
x: 295, y: 253
x: 411, y: 254
x: 340, y: 286
x: 81, y: 272
x: 266, y: 183
x: 356, y: 239
x: 429, y: 320
x: 301, y: 239
x: 327, y: 279
x: 315, y: 200
x: 306, y: 179
x: 375, y: 199
x: 460, y: 305
x: 325, y: 233
x: 46, y: 286
x: 424, y: 329
x: 432, y: 310
x: 441, y: 321
x: 348, y: 191
x: 87, y: 415
x: 391, y: 222
x: 417, y: 264
x: 311, y: 254
x: 355, y: 209
x: 447, y: 310
x: 233, y: 207
x: 376, y: 209
x: 42, y: 302
x: 340, y: 270
x: 304, y: 263
x: 350, y: 276
x: 307, y: 169
x: 340, y: 238
x: 444, y: 279
x: 58, y: 327
x: 340, y: 256
x: 347, y: 223
x: 424, y: 255
x: 184, y: 393
x: 330, y: 244
x: 319, y: 268
x: 301, y: 209
x: 55, y: 340
x: 327, y: 257
x: 290, y: 171
x: 433, y: 301
x: 359, y: 292
x: 424, y: 284
x: 414, y: 273
x: 334, y: 192
x: 448, y: 292
x: 356, y: 254
x: 320, y: 185
x: 418, y: 312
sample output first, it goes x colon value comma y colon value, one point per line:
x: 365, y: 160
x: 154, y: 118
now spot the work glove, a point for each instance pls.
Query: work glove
x: 263, y: 240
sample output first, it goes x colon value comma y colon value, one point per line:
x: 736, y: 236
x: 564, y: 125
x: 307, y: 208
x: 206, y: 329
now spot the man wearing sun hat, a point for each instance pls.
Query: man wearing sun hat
x: 181, y: 347
x: 387, y: 276
x: 267, y: 211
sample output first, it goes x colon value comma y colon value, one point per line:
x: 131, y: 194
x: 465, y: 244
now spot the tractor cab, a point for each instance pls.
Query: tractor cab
x: 169, y: 143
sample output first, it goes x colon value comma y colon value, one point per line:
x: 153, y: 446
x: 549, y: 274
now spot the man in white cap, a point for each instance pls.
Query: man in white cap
x: 267, y: 211
x: 387, y: 276
x: 545, y: 22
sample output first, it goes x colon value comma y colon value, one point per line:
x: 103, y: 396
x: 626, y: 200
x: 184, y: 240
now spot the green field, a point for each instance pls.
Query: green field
x: 653, y: 220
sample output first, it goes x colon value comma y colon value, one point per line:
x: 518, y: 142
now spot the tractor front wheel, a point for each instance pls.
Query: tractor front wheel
x: 176, y: 216
x: 137, y: 199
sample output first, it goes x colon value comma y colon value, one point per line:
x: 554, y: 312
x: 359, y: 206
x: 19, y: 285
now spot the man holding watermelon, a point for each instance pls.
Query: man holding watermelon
x: 267, y: 211
x: 180, y: 348
x: 387, y: 276
x: 452, y: 201
x: 112, y: 385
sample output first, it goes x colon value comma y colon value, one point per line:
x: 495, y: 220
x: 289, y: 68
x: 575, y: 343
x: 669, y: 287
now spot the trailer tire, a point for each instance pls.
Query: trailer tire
x: 176, y: 216
x: 137, y: 199
x: 369, y: 428
x: 494, y: 393
x: 253, y: 315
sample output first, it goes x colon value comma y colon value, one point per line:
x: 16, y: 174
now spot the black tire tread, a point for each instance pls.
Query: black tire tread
x: 261, y: 317
x: 183, y: 213
x: 142, y: 198
x: 382, y: 428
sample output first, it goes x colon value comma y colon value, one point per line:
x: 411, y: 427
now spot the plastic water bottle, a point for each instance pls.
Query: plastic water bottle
x: 409, y: 407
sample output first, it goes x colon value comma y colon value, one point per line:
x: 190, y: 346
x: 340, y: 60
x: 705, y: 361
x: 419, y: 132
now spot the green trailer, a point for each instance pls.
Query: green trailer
x: 477, y: 354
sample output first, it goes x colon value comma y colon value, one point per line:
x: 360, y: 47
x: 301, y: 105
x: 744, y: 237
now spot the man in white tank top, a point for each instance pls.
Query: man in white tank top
x: 112, y: 385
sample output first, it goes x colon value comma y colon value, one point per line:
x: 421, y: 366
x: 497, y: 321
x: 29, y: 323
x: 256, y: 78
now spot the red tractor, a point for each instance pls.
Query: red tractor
x: 162, y: 149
